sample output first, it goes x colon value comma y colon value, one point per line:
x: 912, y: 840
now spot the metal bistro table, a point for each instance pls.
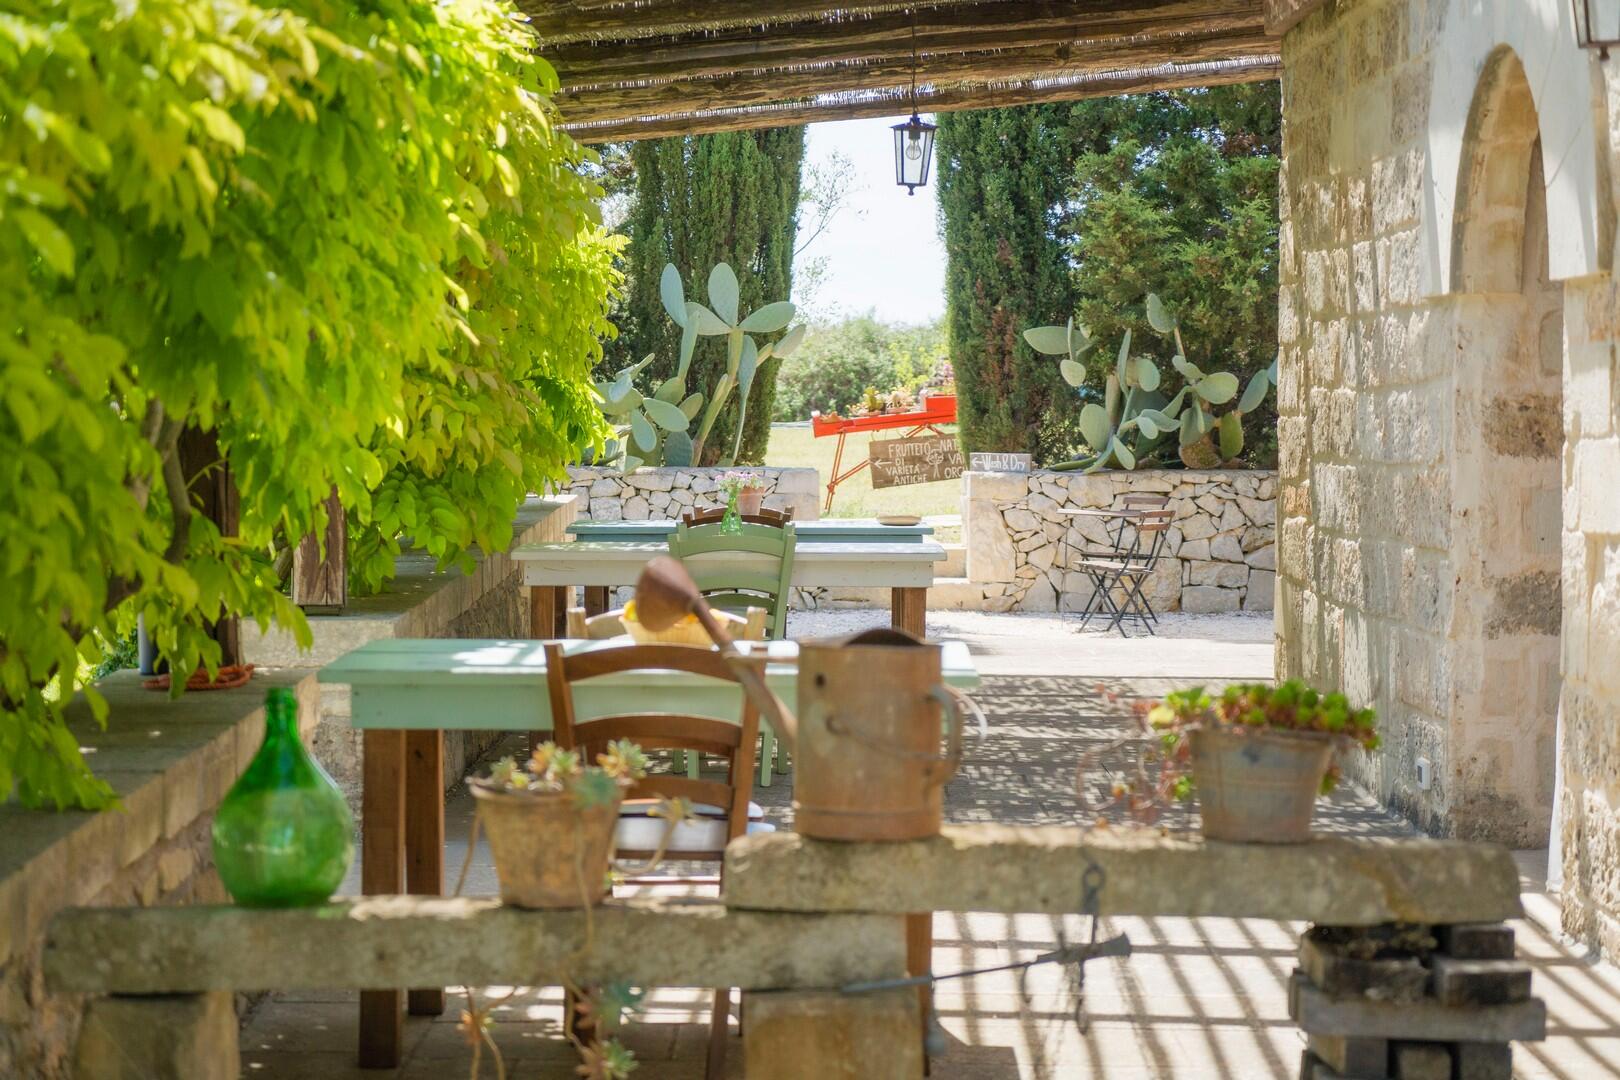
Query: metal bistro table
x: 406, y: 692
x: 906, y: 568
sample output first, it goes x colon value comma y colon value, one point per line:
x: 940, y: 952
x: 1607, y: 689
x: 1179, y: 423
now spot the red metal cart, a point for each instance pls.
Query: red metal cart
x: 935, y: 411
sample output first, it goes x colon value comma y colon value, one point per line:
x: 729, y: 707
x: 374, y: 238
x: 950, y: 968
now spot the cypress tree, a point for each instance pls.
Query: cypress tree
x: 1003, y: 177
x: 699, y: 200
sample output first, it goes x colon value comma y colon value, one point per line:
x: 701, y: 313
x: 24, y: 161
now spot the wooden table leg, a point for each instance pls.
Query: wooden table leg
x: 596, y: 599
x: 382, y: 865
x: 424, y: 839
x: 920, y: 961
x: 548, y: 611
x: 908, y: 611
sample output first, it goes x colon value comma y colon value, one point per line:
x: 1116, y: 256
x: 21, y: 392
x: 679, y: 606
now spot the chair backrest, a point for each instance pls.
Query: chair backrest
x: 717, y: 736
x: 1144, y: 501
x: 733, y: 584
x: 610, y: 624
x: 709, y: 515
x: 1151, y: 529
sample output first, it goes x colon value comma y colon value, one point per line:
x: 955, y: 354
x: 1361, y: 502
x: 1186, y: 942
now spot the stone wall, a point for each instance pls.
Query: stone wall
x: 171, y: 763
x: 1219, y: 556
x: 1449, y: 544
x: 421, y: 602
x: 609, y: 495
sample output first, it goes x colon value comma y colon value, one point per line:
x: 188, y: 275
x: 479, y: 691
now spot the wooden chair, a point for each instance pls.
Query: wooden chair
x: 609, y: 624
x: 730, y: 585
x: 725, y: 808
x: 1128, y: 570
x: 711, y: 515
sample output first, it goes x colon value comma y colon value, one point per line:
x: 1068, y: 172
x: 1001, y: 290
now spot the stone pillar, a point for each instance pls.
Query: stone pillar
x: 168, y: 1037
x: 825, y: 1035
x: 1412, y: 1003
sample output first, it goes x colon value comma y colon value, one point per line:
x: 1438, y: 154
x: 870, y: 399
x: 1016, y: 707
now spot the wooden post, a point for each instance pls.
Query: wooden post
x: 548, y: 611
x: 908, y: 611
x: 424, y: 838
x: 382, y: 858
x: 320, y: 582
x: 825, y: 1035
x: 596, y: 599
x: 213, y: 494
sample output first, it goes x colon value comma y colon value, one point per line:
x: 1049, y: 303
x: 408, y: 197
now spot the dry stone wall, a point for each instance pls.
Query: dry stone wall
x: 1220, y: 554
x: 610, y: 495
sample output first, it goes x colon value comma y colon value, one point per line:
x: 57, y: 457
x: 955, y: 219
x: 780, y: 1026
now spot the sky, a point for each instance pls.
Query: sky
x: 882, y: 251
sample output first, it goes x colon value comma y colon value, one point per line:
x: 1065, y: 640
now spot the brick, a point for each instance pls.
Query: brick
x: 132, y: 1038
x: 1480, y: 982
x: 1476, y: 941
x: 819, y: 1035
x: 1319, y: 1014
x: 1312, y: 1067
x: 1353, y: 1058
x: 1421, y: 1061
x: 1483, y: 1061
x: 1334, y: 972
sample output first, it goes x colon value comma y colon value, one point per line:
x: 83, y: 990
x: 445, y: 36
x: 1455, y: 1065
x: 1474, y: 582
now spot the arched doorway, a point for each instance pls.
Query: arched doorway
x: 1506, y: 456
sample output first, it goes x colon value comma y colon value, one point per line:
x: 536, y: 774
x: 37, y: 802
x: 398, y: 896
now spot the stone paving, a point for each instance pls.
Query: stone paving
x: 1200, y: 998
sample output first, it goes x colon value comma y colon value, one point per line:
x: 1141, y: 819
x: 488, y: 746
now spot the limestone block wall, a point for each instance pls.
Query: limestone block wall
x: 421, y: 602
x: 1448, y: 413
x: 171, y: 763
x: 609, y: 495
x: 1220, y: 553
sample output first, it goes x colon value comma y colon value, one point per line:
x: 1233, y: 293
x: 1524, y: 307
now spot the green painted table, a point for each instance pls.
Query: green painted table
x: 406, y: 692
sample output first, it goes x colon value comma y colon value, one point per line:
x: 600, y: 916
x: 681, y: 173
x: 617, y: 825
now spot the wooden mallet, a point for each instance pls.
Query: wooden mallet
x: 666, y: 593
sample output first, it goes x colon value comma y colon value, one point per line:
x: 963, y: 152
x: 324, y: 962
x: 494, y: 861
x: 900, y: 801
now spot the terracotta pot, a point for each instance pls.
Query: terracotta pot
x: 872, y: 714
x: 749, y: 500
x: 548, y: 852
x: 1260, y: 785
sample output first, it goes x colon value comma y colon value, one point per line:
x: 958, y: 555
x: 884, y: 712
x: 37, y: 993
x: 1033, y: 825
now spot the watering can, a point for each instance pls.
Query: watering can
x: 872, y: 712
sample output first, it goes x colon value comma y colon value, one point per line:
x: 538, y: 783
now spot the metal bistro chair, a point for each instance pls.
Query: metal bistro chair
x: 734, y: 585
x: 1127, y: 569
x: 724, y: 809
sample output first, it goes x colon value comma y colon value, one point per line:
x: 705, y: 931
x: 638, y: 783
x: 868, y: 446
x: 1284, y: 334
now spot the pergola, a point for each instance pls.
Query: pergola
x: 636, y: 69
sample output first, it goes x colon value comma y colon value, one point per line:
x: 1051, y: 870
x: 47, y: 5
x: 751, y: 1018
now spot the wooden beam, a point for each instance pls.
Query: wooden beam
x: 556, y: 21
x: 1334, y: 880
x: 1283, y: 15
x: 1049, y: 61
x: 416, y: 941
x: 1107, y: 84
x: 888, y: 37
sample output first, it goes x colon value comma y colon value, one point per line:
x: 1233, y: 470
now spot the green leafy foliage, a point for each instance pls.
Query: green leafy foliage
x: 1288, y: 706
x: 837, y: 359
x: 344, y: 239
x: 702, y: 201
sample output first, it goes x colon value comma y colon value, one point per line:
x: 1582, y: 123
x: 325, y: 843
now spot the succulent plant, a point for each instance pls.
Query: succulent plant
x: 653, y: 430
x: 1133, y: 423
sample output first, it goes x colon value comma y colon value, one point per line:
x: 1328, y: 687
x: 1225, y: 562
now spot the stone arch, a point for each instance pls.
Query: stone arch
x: 1506, y: 445
x: 1479, y: 37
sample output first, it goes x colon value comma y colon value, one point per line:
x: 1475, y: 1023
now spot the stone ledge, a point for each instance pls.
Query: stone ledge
x: 1340, y: 881
x: 417, y: 941
x: 421, y: 601
x: 171, y: 761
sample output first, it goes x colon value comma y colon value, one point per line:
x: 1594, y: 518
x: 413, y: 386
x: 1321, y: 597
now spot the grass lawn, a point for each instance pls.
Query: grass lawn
x: 794, y: 445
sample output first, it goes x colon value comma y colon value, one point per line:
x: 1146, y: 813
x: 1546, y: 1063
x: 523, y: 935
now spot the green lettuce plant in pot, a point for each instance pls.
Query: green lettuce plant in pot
x: 1257, y: 755
x: 550, y: 822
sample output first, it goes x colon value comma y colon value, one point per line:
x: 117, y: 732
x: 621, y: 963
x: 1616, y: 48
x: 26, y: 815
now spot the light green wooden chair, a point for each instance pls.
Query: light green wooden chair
x: 735, y: 585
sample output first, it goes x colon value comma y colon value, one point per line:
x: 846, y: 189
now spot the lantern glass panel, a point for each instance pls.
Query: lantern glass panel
x: 1597, y: 23
x: 913, y: 152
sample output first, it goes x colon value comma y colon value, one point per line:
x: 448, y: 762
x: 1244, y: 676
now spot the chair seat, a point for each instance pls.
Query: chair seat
x: 644, y: 807
x: 638, y: 832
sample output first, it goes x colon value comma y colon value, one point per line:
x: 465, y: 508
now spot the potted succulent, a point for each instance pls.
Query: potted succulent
x: 550, y: 822
x: 1258, y: 755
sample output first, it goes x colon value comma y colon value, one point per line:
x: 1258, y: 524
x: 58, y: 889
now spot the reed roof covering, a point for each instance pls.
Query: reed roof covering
x: 634, y: 69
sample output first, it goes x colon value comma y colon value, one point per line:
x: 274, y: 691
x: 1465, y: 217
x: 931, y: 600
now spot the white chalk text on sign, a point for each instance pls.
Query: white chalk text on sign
x: 919, y: 460
x: 982, y: 462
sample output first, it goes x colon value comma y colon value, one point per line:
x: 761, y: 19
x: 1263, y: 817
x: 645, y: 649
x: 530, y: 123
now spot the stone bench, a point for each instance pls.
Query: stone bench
x: 801, y: 918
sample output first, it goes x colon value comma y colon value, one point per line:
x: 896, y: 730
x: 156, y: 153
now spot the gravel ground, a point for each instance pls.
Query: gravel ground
x: 1243, y: 628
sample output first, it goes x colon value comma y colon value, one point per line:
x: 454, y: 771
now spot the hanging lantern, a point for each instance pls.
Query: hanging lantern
x: 1597, y: 25
x: 913, y: 151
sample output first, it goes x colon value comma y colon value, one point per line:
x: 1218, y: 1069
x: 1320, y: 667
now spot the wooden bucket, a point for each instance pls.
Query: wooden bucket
x: 868, y: 763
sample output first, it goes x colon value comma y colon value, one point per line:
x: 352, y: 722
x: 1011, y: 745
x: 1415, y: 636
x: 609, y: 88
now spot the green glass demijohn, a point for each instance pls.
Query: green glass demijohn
x: 284, y: 836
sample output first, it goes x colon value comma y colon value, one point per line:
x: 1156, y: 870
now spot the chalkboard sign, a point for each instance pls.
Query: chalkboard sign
x: 1000, y: 462
x: 914, y: 461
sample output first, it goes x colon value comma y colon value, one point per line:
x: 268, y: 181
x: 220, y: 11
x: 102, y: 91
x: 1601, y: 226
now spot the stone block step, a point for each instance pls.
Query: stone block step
x: 1318, y: 1014
x: 955, y: 564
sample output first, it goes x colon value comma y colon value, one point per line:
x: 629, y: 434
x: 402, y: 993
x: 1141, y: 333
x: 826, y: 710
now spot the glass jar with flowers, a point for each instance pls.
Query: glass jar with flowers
x: 744, y: 493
